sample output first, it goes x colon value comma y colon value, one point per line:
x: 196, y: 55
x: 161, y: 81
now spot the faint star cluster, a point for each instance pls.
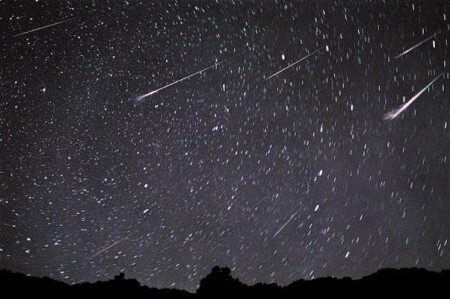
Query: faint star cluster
x: 110, y: 162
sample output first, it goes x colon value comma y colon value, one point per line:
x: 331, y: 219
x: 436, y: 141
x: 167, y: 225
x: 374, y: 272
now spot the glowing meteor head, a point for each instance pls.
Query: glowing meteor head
x: 390, y: 115
x: 138, y: 99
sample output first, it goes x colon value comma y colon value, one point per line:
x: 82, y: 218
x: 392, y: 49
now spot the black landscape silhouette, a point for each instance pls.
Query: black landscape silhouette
x: 221, y: 284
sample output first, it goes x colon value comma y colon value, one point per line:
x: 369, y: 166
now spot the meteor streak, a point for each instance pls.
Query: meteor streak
x: 43, y: 27
x: 140, y: 98
x: 417, y: 45
x: 292, y: 64
x: 396, y: 112
x: 109, y: 247
x: 286, y: 223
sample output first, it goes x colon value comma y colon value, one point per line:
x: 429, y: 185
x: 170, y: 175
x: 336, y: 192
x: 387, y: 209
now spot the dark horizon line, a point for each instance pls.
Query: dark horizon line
x: 377, y: 276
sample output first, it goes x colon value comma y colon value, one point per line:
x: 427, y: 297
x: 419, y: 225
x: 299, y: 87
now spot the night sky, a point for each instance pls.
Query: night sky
x: 294, y: 176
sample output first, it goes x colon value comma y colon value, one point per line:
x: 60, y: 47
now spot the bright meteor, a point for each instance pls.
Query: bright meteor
x: 292, y: 64
x: 109, y: 247
x: 417, y: 45
x: 43, y: 27
x: 140, y: 98
x: 396, y: 112
x: 286, y: 223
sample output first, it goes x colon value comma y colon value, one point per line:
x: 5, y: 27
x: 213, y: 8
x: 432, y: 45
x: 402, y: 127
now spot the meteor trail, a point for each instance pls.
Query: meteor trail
x: 46, y: 26
x: 286, y: 223
x: 396, y: 112
x: 417, y: 45
x: 292, y: 64
x: 110, y: 246
x: 140, y: 98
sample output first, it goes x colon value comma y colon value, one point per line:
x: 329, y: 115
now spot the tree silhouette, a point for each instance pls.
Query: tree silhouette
x: 121, y: 276
x: 220, y: 281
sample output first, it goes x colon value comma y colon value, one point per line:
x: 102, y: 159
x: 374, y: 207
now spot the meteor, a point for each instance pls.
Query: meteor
x: 292, y: 64
x: 286, y: 223
x: 109, y: 247
x: 396, y: 112
x: 140, y: 98
x: 43, y: 27
x: 417, y: 45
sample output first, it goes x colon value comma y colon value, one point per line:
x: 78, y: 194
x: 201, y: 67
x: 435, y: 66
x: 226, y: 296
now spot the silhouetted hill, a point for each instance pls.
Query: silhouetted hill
x: 22, y: 285
x: 221, y: 284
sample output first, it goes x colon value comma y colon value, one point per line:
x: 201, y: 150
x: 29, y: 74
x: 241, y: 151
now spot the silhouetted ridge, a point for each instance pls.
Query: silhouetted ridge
x: 221, y: 284
x: 22, y: 285
x: 220, y: 281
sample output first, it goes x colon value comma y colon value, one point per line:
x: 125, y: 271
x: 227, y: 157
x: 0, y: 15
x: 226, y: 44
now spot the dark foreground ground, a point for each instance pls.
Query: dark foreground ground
x: 220, y: 284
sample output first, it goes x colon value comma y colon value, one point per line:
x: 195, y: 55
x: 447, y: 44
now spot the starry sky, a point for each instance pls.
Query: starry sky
x: 282, y: 178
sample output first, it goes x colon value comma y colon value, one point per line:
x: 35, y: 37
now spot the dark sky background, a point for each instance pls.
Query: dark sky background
x: 298, y: 176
